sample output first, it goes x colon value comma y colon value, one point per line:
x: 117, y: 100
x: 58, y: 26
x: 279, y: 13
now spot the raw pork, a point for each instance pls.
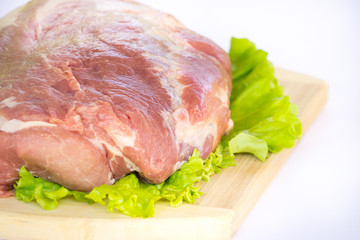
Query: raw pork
x: 91, y: 90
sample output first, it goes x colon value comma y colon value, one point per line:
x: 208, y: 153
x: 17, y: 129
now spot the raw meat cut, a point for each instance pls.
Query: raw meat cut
x: 91, y: 90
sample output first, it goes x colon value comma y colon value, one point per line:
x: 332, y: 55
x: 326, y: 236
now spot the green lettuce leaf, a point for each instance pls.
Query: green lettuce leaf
x: 181, y: 187
x: 246, y: 143
x: 46, y: 194
x: 258, y: 106
x: 129, y: 195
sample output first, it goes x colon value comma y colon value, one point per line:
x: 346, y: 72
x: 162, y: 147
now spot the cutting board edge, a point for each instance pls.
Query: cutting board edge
x: 197, y: 220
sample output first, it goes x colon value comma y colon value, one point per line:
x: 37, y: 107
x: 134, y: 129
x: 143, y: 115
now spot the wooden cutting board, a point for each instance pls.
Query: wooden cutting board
x: 226, y: 201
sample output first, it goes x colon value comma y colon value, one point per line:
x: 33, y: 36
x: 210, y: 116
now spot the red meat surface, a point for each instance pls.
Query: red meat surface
x: 92, y: 90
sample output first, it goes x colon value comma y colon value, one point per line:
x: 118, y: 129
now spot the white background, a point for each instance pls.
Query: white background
x: 316, y: 195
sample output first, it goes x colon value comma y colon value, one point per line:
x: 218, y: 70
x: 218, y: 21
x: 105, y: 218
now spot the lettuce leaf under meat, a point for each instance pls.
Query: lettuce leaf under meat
x: 129, y: 195
x: 264, y: 121
x: 46, y: 194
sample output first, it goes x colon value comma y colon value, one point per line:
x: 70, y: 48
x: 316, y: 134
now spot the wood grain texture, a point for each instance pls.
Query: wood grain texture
x: 226, y: 201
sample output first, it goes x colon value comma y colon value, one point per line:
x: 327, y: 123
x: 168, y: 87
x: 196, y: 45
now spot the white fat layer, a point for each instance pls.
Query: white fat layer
x: 229, y: 126
x: 221, y: 93
x: 110, y: 176
x: 14, y: 125
x: 194, y: 135
x: 131, y: 165
x: 124, y: 141
x: 178, y: 165
x: 116, y: 151
x: 97, y: 144
x: 9, y: 102
x: 170, y: 67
